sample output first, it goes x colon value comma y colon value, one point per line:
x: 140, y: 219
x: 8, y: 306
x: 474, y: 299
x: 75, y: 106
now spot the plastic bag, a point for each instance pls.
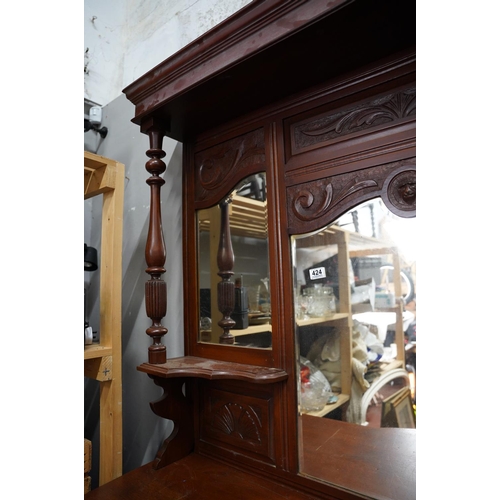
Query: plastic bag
x: 315, y: 389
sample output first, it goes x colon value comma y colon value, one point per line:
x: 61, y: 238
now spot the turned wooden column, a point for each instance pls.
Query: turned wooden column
x: 156, y: 287
x: 225, y: 263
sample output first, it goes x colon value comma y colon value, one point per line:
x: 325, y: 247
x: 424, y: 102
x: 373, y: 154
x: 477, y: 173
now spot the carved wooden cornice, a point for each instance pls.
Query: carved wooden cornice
x: 262, y: 22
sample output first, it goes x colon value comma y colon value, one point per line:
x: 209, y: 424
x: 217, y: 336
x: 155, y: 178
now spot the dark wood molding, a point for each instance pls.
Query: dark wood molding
x: 195, y: 367
x: 242, y: 36
x: 263, y: 53
x: 315, y: 204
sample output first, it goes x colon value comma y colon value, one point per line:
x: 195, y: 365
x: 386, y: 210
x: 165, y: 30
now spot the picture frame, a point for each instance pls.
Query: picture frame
x: 397, y: 410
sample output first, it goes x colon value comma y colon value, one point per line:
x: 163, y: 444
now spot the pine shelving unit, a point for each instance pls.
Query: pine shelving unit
x: 103, y: 361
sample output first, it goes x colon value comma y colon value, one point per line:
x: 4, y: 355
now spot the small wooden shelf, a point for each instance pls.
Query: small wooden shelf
x: 194, y: 367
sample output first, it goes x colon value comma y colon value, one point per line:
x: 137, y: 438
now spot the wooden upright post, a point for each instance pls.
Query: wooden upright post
x: 156, y: 288
x: 225, y: 288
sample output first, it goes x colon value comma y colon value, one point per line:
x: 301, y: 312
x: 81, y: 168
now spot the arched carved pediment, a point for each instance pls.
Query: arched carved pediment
x: 315, y: 204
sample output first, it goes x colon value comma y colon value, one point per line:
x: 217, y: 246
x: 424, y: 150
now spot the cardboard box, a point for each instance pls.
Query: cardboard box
x: 87, y: 456
x: 87, y: 465
x: 86, y: 485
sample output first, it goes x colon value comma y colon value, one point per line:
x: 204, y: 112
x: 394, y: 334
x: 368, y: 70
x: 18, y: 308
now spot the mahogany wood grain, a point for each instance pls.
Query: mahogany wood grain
x: 176, y: 405
x: 378, y: 463
x: 194, y: 478
x: 194, y: 367
x: 156, y: 288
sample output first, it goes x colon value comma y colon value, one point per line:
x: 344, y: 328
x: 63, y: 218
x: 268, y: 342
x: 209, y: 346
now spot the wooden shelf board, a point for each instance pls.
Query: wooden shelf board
x: 343, y: 399
x: 322, y: 319
x: 248, y: 331
x: 96, y: 351
x: 191, y: 366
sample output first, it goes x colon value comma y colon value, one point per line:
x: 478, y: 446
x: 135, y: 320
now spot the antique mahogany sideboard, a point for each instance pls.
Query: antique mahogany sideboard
x: 320, y: 96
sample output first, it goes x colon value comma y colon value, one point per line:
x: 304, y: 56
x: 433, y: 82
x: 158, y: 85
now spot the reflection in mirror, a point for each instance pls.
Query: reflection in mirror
x: 249, y: 240
x: 355, y: 314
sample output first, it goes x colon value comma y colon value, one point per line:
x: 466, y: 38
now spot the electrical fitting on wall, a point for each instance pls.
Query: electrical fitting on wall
x: 95, y: 115
x: 94, y: 120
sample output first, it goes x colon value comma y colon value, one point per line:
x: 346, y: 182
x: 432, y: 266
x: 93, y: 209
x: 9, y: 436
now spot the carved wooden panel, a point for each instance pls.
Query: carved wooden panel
x: 219, y: 168
x: 238, y: 420
x: 332, y: 125
x: 317, y: 203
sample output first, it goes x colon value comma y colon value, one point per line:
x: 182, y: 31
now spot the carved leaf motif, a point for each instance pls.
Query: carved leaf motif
x: 211, y: 171
x: 305, y: 207
x: 227, y: 159
x: 383, y: 110
x: 234, y: 419
x: 353, y: 186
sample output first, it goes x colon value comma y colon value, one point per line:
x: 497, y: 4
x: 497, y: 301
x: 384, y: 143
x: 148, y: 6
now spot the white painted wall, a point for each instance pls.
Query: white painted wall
x: 126, y: 38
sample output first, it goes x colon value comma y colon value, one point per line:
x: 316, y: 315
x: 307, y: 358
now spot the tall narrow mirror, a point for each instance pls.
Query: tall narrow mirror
x: 247, y: 211
x: 355, y: 315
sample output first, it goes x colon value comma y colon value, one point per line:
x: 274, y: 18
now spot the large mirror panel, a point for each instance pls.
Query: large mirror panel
x: 355, y: 314
x: 248, y: 236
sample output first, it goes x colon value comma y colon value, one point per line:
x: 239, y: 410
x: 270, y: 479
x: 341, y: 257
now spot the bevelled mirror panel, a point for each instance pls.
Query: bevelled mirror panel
x: 355, y: 316
x: 248, y: 223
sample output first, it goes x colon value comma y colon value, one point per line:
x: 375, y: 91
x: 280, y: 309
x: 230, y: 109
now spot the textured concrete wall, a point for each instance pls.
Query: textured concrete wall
x: 124, y: 39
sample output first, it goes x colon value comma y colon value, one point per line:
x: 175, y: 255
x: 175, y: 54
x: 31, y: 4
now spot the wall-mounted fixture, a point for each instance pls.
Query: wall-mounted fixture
x: 90, y: 258
x: 103, y: 131
x: 94, y: 120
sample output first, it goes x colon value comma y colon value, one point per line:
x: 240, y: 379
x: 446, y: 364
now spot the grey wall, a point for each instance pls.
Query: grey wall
x: 143, y: 431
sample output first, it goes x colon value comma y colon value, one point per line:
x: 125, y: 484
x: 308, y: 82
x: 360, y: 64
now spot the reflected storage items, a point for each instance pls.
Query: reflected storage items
x: 315, y: 391
x: 320, y: 300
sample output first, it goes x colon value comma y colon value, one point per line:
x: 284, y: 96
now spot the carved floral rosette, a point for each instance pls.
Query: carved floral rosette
x: 315, y: 204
